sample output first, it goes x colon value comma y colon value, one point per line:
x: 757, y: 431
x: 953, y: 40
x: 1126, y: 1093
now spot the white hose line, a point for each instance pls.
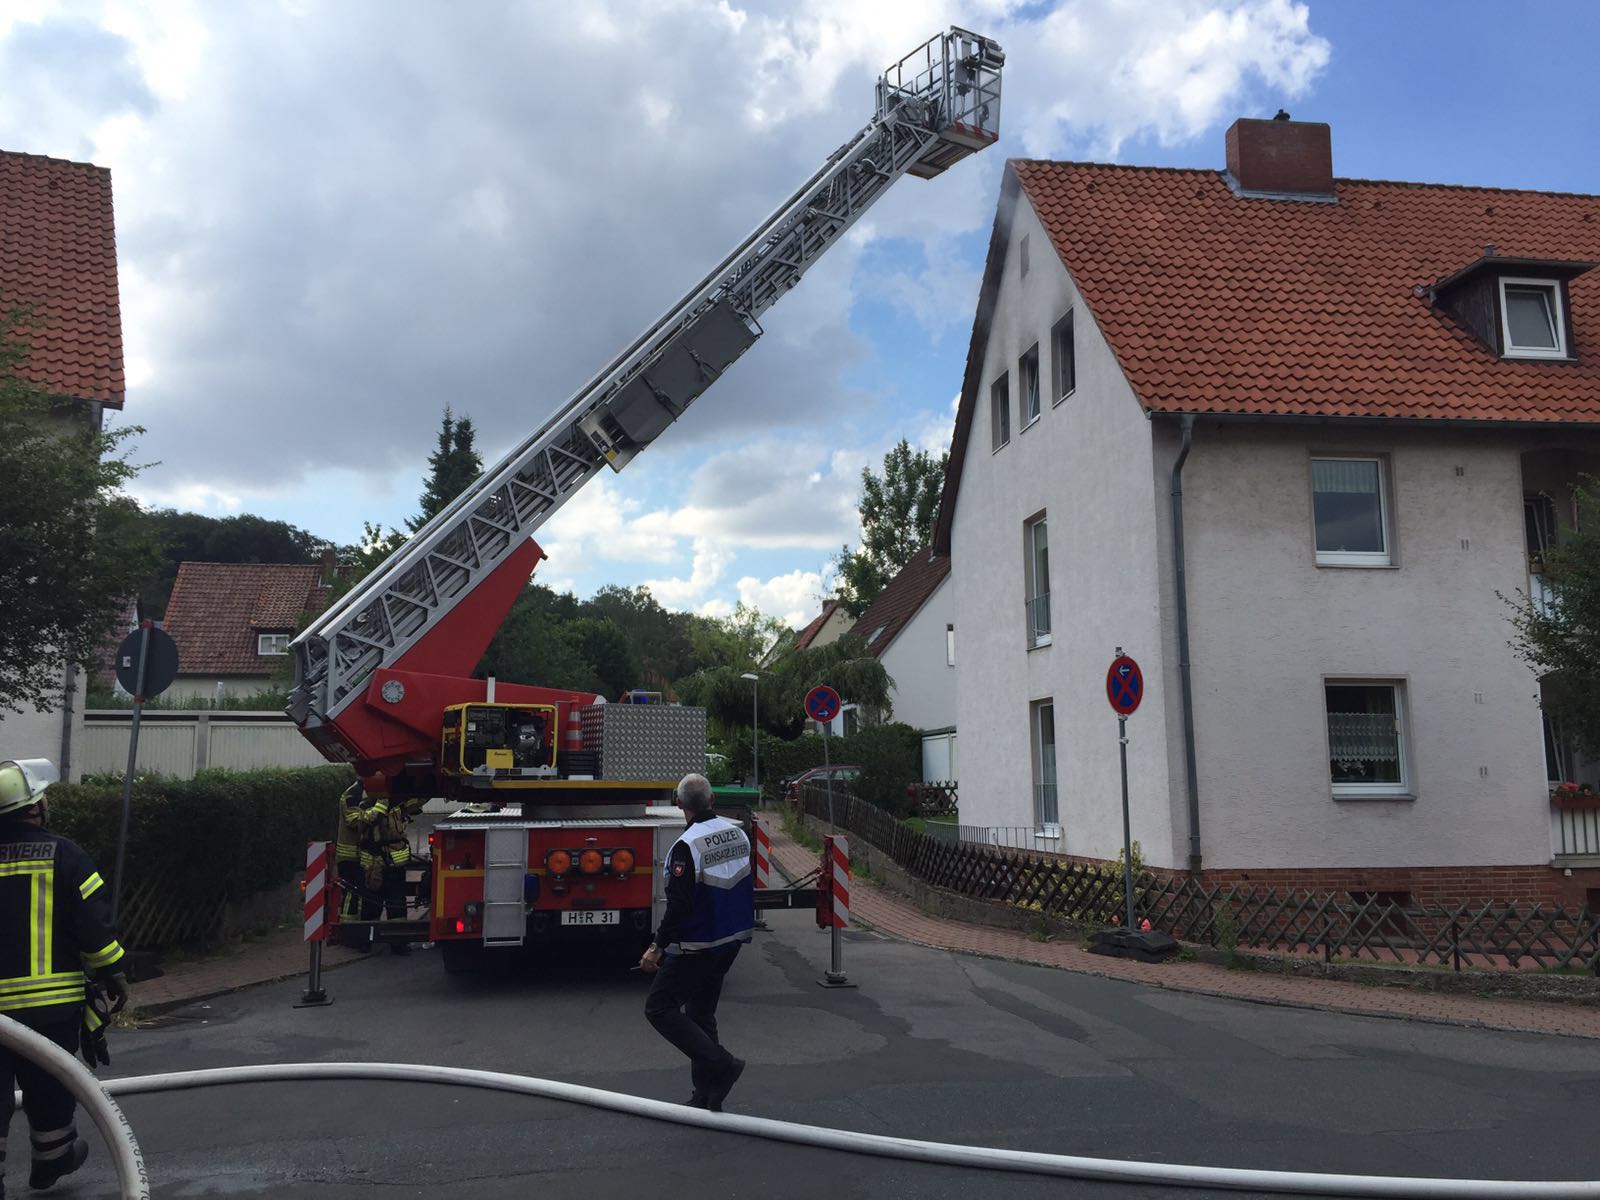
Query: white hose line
x: 89, y: 1092
x: 941, y: 1153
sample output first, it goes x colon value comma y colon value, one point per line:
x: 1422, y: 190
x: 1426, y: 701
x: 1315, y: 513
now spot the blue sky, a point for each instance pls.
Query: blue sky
x: 334, y: 219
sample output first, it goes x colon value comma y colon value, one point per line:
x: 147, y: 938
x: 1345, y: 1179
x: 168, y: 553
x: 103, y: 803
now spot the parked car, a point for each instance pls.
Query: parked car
x: 838, y: 772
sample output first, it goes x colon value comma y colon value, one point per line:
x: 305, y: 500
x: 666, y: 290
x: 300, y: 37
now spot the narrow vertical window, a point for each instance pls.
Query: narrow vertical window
x: 949, y: 645
x: 1028, y: 382
x: 1037, y: 543
x: 1022, y: 254
x: 1064, y: 363
x: 1000, y: 410
x: 1046, y: 809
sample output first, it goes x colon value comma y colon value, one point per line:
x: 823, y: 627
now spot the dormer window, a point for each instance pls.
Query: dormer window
x: 272, y: 643
x: 1530, y: 315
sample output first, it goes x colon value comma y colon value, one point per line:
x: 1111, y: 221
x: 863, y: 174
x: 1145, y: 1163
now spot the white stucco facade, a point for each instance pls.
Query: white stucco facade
x: 1269, y: 627
x: 924, y: 692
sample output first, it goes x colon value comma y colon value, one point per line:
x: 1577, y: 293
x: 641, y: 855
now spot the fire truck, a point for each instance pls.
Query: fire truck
x: 568, y: 800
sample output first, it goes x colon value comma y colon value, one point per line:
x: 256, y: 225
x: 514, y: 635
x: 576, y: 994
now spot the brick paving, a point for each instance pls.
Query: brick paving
x: 281, y: 955
x: 896, y: 916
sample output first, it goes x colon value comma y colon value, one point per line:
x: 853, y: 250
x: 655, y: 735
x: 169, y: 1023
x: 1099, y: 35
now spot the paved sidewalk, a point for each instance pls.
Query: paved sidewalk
x: 896, y: 916
x: 280, y: 955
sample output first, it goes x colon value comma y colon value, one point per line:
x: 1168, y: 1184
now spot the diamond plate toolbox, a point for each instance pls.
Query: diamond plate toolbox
x: 646, y: 741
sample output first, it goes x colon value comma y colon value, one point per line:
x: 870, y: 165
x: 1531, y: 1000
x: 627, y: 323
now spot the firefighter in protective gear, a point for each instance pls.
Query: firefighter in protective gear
x: 347, y: 852
x: 711, y: 912
x: 372, y: 824
x: 54, y: 929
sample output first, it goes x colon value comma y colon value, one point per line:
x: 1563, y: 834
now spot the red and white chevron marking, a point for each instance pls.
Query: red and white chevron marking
x: 763, y: 857
x: 318, y: 855
x: 841, y: 881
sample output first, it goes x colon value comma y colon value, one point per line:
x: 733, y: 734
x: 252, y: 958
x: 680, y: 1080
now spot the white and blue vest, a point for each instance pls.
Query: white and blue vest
x: 724, y: 893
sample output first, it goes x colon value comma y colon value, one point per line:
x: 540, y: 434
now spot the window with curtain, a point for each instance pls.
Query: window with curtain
x: 1366, y: 743
x: 1349, y: 502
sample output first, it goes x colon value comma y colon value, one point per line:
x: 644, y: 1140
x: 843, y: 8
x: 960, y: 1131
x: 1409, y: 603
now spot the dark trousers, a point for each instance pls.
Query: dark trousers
x: 47, y: 1102
x: 353, y: 879
x: 682, y: 1005
x: 394, y: 891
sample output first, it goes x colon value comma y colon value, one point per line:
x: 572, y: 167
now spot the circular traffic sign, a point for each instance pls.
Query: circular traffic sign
x: 161, y: 663
x: 1124, y: 685
x: 822, y: 703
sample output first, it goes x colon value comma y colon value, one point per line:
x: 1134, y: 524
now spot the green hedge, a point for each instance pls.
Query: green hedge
x: 227, y: 833
x: 890, y: 758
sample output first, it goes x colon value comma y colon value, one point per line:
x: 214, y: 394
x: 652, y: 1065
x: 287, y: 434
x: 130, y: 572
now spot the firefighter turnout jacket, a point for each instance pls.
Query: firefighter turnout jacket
x: 55, y: 924
x: 711, y: 898
x: 347, y: 838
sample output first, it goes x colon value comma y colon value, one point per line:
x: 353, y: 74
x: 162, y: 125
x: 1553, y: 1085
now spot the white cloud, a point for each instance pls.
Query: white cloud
x: 794, y: 598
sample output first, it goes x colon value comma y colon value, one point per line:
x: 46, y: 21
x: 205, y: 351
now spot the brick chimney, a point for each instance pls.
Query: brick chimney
x: 1290, y: 157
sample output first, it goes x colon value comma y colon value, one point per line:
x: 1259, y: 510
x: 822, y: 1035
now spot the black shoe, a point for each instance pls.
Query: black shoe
x: 47, y: 1170
x: 718, y: 1092
x: 697, y: 1099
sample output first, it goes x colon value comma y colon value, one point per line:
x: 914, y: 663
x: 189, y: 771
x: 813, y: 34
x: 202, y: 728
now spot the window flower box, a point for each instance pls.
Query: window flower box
x: 1574, y: 796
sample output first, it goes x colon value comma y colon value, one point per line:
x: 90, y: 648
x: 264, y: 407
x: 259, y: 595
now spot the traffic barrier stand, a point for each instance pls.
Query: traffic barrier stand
x: 833, y: 904
x: 761, y: 861
x: 320, y: 891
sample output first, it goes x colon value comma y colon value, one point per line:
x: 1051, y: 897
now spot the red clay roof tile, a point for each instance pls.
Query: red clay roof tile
x: 901, y: 600
x: 58, y: 256
x: 217, y: 609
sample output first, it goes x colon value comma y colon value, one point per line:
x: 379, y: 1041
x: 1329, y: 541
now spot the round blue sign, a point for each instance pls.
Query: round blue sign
x: 1124, y: 685
x: 822, y: 703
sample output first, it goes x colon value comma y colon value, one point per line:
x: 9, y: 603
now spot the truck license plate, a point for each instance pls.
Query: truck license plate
x: 591, y: 916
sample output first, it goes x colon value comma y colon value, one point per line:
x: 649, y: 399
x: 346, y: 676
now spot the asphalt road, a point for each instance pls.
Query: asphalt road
x: 931, y: 1045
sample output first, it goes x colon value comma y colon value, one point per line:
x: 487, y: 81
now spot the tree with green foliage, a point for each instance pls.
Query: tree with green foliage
x: 1560, y: 639
x: 845, y: 665
x: 73, y: 549
x: 898, y: 510
x: 452, y: 467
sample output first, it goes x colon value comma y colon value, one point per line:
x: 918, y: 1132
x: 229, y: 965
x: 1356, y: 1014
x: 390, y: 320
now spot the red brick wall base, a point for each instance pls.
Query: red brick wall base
x: 1537, y: 884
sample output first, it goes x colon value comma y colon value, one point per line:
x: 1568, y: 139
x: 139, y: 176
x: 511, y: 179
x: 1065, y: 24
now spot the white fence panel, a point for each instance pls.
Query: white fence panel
x: 164, y: 746
x: 245, y: 747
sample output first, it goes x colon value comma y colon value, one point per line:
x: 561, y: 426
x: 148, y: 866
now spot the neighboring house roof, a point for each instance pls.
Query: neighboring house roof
x: 806, y: 636
x: 907, y: 592
x: 1219, y: 303
x: 58, y: 256
x: 217, y: 610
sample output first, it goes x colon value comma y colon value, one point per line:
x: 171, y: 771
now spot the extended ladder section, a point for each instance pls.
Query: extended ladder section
x: 935, y: 107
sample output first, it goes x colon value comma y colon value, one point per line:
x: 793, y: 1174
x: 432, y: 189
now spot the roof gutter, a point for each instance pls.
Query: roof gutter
x: 1181, y: 589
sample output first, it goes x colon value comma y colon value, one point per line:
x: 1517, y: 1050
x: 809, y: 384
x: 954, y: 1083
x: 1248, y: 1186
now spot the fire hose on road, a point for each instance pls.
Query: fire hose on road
x: 134, y: 1183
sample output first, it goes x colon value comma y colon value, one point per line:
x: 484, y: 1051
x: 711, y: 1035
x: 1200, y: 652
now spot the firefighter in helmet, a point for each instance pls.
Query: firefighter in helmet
x: 347, y: 852
x: 55, y: 930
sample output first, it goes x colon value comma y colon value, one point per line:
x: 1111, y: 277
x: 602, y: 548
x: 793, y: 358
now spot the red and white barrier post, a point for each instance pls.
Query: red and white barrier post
x: 319, y: 890
x: 835, y: 878
x: 761, y: 864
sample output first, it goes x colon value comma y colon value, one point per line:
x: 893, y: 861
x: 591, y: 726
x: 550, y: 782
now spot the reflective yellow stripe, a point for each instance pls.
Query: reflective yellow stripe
x: 47, y: 922
x: 90, y: 885
x: 105, y: 956
x: 26, y: 866
x: 60, y: 978
x: 70, y: 997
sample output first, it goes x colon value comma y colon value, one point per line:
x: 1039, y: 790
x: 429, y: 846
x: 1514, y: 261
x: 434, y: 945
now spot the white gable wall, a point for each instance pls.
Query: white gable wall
x: 1088, y: 464
x: 924, y: 694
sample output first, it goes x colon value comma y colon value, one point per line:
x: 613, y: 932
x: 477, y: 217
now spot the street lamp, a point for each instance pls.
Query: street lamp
x: 755, y: 731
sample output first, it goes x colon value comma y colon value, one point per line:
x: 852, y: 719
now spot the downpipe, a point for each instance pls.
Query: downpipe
x: 876, y: 1145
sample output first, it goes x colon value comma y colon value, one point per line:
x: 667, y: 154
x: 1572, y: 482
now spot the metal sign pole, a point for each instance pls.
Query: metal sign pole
x: 127, y: 779
x: 1127, y: 826
x: 827, y: 772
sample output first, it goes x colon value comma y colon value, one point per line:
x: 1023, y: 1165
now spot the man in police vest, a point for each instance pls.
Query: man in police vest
x: 711, y: 911
x: 54, y: 927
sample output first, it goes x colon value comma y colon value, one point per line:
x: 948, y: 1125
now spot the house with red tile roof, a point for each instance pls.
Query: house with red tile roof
x: 58, y: 258
x: 233, y: 623
x: 827, y: 627
x: 910, y: 629
x: 1288, y: 439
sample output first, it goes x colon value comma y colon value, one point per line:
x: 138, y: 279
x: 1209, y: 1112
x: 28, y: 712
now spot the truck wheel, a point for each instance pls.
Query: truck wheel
x: 461, y: 959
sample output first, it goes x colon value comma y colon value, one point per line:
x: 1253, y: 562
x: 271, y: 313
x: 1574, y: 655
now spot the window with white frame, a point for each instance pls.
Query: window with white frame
x: 1531, y: 324
x: 272, y: 643
x: 1350, y: 503
x: 949, y: 645
x: 1063, y: 360
x: 1366, y: 738
x: 1000, y: 410
x: 1036, y: 541
x: 1028, y: 382
x: 1046, y: 807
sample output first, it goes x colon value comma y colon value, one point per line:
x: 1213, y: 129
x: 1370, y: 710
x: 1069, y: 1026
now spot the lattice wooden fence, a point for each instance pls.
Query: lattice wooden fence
x: 152, y: 914
x: 1500, y: 935
x: 934, y: 799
